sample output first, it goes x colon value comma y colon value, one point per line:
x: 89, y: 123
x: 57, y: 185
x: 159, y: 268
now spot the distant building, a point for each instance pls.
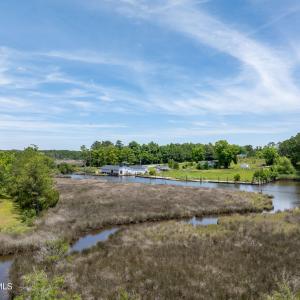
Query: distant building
x: 162, y: 168
x: 138, y: 169
x: 244, y: 166
x: 115, y: 170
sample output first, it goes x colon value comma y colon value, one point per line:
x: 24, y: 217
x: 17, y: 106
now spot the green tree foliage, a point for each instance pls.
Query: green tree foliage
x: 63, y: 154
x: 283, y: 165
x: 6, y: 160
x: 270, y: 154
x: 31, y: 183
x: 198, y: 153
x: 105, y: 152
x: 226, y: 153
x: 209, y: 152
x: 291, y: 149
x: 126, y: 154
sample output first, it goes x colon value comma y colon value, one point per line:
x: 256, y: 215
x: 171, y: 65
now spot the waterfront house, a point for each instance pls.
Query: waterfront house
x: 116, y: 170
x: 138, y: 169
x: 113, y: 170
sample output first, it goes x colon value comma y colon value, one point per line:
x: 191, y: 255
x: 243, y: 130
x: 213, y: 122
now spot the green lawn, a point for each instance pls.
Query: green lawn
x: 10, y: 220
x: 217, y: 174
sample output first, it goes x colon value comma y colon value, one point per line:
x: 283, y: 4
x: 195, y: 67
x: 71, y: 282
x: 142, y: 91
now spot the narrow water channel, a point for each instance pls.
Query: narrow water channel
x: 92, y: 239
x: 202, y: 221
x: 84, y: 243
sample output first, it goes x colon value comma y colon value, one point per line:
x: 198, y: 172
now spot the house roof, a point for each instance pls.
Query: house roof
x: 138, y: 167
x: 112, y: 167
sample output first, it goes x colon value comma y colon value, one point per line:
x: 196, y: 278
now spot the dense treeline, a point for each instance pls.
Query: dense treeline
x: 291, y: 149
x: 55, y: 154
x: 105, y: 152
x: 63, y: 154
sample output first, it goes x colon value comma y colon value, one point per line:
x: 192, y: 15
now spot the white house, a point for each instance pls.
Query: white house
x: 138, y: 169
x: 115, y: 170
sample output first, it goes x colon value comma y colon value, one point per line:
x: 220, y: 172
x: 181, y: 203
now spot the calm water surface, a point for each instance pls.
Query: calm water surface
x: 203, y: 221
x: 92, y: 239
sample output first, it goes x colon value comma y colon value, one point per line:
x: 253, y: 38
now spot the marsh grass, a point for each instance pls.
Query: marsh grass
x: 86, y: 205
x: 244, y: 257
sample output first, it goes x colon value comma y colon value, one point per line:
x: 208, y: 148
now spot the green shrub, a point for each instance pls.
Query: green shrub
x: 56, y: 250
x: 65, y: 168
x: 152, y: 172
x: 40, y: 287
x: 265, y: 175
x: 199, y: 166
x: 284, y: 292
x: 237, y: 177
x: 176, y: 165
x: 284, y: 166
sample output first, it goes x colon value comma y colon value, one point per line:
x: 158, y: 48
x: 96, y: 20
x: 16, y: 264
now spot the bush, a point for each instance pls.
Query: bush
x: 199, y: 166
x: 40, y: 286
x: 173, y: 164
x: 176, y: 165
x: 284, y: 166
x: 284, y: 293
x: 65, y: 168
x: 152, y: 172
x: 264, y: 175
x: 237, y: 177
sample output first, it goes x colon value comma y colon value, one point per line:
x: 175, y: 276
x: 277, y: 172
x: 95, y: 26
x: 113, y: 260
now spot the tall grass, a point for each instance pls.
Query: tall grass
x: 242, y: 258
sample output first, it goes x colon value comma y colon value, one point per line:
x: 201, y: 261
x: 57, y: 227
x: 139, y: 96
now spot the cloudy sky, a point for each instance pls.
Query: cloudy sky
x: 73, y: 71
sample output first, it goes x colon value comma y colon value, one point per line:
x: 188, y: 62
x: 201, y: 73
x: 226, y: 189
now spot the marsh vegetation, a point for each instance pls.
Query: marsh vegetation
x: 244, y: 257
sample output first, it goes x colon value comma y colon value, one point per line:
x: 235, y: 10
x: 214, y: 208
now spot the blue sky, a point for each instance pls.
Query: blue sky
x: 76, y: 71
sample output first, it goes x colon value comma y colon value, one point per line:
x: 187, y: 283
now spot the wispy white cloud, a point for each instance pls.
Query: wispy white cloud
x: 21, y: 125
x: 266, y: 81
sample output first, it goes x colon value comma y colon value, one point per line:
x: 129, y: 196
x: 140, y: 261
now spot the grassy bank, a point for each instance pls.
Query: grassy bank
x: 212, y: 174
x: 10, y: 218
x: 190, y: 172
x: 295, y: 176
x: 91, y: 204
x: 241, y: 258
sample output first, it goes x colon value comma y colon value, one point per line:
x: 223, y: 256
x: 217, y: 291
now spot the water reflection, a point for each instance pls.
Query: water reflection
x: 91, y: 240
